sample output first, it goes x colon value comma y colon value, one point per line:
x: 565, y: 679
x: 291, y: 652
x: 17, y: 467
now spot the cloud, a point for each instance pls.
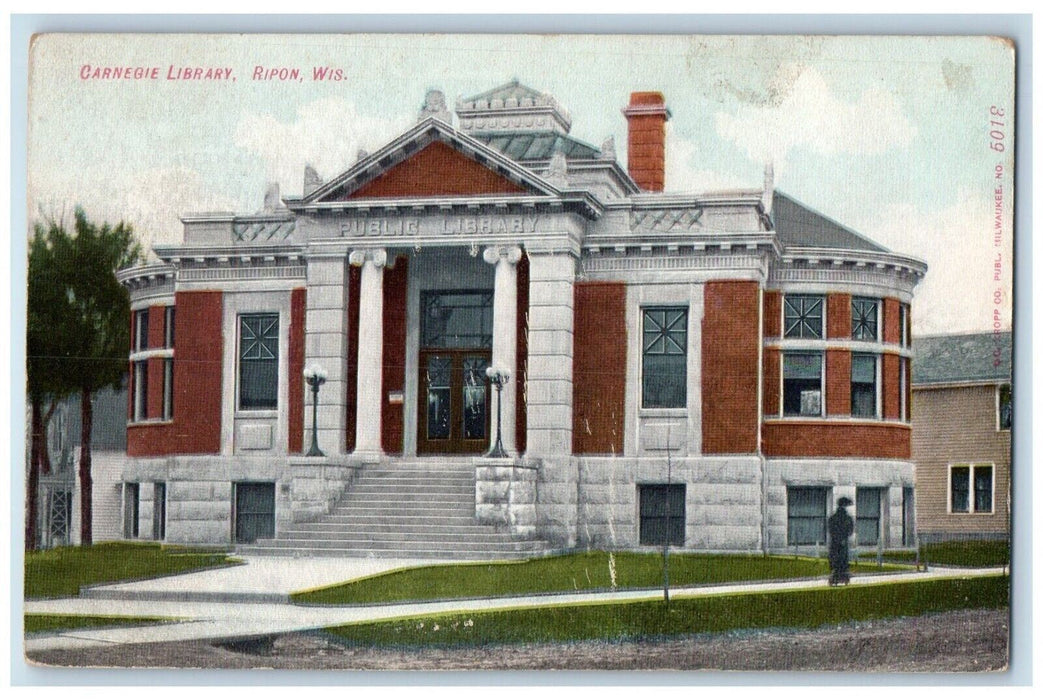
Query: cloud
x: 326, y: 134
x: 152, y: 201
x: 683, y: 173
x: 806, y: 113
x: 957, y: 244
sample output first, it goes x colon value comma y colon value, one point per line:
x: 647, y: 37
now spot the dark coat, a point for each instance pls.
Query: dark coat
x: 840, y: 528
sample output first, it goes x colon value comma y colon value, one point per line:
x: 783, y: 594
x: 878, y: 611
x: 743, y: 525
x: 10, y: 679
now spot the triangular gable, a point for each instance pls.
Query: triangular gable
x: 438, y: 170
x: 432, y: 160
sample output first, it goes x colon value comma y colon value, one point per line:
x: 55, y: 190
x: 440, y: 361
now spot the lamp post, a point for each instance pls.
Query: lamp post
x: 315, y: 375
x: 498, y: 377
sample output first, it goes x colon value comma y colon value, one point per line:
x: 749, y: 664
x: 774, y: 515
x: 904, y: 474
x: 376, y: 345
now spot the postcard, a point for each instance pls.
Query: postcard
x: 499, y: 352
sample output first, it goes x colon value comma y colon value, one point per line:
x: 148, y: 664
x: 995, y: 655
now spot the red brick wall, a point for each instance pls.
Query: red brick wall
x: 157, y: 318
x: 772, y: 382
x: 394, y: 371
x: 198, y: 347
x: 352, y: 375
x: 892, y: 321
x: 838, y: 382
x: 892, y: 390
x: 436, y: 170
x: 295, y: 411
x: 772, y: 314
x: 646, y: 142
x: 826, y: 439
x: 838, y: 316
x: 599, y: 367
x: 730, y: 349
x: 522, y: 358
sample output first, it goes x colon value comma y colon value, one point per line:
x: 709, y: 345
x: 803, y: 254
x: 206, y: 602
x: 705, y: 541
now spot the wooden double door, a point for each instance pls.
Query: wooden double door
x: 454, y: 401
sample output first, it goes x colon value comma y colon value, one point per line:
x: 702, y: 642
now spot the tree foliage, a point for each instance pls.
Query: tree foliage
x: 78, y: 330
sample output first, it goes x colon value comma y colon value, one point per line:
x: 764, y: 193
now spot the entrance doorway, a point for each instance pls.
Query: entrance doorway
x: 456, y: 349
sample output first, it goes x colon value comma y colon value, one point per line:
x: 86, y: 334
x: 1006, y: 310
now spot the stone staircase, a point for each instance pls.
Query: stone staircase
x: 422, y: 508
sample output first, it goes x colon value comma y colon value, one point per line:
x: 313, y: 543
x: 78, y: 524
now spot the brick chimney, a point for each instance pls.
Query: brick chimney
x: 646, y: 139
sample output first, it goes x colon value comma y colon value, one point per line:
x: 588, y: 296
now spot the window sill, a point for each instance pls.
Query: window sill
x: 836, y: 420
x: 257, y: 413
x: 663, y: 412
x: 150, y: 421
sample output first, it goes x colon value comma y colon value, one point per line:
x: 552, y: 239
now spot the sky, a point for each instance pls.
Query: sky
x: 889, y: 135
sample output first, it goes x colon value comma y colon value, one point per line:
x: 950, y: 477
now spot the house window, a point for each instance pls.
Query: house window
x: 865, y: 318
x: 1004, y: 407
x: 662, y: 514
x: 867, y: 515
x: 907, y: 331
x: 140, y: 405
x: 802, y: 384
x: 863, y: 385
x: 806, y: 514
x: 168, y: 388
x: 664, y: 358
x: 971, y: 488
x: 803, y: 315
x: 141, y: 330
x: 259, y: 361
x: 168, y: 327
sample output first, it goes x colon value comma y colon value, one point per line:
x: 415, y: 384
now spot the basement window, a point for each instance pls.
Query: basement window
x: 662, y: 514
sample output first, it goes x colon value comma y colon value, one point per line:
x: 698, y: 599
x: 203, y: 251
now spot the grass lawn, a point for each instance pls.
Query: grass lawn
x: 569, y: 572
x: 35, y: 622
x: 968, y: 553
x: 59, y: 572
x: 644, y: 620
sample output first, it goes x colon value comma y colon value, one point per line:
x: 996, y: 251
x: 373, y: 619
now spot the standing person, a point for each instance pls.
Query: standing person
x: 840, y: 528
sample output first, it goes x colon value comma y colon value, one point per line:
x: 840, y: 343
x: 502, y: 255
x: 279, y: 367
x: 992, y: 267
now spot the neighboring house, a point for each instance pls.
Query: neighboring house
x: 961, y: 435
x: 711, y: 369
x: 59, y: 491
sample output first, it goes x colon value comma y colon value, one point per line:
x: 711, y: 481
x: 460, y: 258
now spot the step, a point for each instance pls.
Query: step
x: 365, y: 528
x: 447, y: 554
x: 419, y: 546
x: 397, y: 536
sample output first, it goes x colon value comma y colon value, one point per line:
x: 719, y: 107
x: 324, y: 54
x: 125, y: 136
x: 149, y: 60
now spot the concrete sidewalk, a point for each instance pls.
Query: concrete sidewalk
x: 250, y: 616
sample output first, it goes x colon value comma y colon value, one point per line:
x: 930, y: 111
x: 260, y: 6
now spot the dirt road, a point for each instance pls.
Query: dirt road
x: 970, y: 640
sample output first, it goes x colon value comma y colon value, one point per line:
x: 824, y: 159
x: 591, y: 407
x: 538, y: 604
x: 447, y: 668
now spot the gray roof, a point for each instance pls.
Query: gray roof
x: 536, y: 145
x: 968, y: 357
x: 513, y: 89
x: 799, y: 225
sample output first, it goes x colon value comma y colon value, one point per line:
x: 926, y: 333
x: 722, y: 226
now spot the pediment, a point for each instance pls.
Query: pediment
x: 432, y: 160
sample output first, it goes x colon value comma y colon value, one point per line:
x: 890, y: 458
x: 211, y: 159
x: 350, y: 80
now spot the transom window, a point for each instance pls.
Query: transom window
x: 971, y: 488
x: 865, y: 318
x: 804, y: 314
x: 461, y: 319
x: 259, y: 361
x: 664, y: 358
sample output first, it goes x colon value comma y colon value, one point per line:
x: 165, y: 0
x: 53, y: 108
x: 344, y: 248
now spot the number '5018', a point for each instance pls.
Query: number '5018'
x: 996, y: 135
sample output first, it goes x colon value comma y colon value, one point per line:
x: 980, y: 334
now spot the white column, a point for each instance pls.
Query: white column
x: 505, y: 339
x: 371, y: 350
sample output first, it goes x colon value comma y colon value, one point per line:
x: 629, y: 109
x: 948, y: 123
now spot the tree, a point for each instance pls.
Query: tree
x: 88, y: 315
x: 47, y: 346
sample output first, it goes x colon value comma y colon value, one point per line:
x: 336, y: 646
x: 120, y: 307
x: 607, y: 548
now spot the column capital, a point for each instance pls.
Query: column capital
x: 360, y: 256
x: 509, y: 253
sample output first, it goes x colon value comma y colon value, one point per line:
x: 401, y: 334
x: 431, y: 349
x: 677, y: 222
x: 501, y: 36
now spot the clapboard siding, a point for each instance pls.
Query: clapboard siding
x: 958, y: 426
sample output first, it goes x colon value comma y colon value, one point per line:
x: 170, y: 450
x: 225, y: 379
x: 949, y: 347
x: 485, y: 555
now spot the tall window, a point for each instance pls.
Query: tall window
x: 806, y: 514
x: 1004, y: 407
x: 140, y: 404
x: 867, y: 515
x: 141, y: 329
x: 802, y: 384
x: 662, y: 514
x: 803, y: 315
x: 865, y: 318
x: 863, y: 385
x: 259, y: 361
x: 903, y: 388
x: 664, y: 358
x: 168, y: 388
x: 907, y: 331
x: 971, y: 488
x: 168, y: 327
